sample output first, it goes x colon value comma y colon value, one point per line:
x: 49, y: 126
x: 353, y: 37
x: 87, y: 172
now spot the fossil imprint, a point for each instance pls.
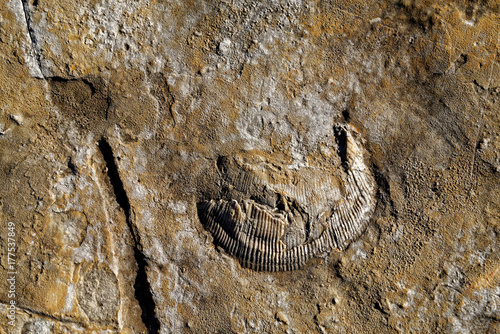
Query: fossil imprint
x: 280, y: 218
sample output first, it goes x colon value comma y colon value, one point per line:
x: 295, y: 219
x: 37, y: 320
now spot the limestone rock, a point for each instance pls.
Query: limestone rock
x: 118, y: 118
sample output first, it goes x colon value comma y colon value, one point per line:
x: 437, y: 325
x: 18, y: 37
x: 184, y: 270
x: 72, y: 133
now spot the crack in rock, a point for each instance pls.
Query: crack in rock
x: 143, y: 292
x: 33, y: 39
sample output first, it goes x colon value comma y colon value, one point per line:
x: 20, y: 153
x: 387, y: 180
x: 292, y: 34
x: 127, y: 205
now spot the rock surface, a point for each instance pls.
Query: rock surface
x: 115, y: 113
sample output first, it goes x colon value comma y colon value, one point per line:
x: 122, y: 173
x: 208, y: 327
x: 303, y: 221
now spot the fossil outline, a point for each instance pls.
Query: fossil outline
x: 263, y: 238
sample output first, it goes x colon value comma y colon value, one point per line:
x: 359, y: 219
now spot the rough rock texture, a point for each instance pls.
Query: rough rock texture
x: 115, y: 113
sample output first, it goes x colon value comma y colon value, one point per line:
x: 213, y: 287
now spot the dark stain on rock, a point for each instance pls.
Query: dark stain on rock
x: 84, y: 101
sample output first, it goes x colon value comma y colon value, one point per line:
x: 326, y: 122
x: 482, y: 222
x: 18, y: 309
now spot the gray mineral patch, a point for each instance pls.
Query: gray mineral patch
x: 98, y: 294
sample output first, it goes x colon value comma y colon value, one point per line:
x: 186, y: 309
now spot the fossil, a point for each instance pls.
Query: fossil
x: 277, y: 218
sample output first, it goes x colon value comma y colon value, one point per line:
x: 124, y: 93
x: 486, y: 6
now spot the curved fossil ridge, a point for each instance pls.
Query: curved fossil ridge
x: 298, y: 227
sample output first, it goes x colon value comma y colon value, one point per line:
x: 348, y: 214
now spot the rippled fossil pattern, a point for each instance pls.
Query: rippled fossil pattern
x: 263, y: 237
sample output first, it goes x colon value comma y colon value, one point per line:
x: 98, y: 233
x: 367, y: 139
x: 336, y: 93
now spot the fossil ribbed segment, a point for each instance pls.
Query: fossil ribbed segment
x: 277, y: 218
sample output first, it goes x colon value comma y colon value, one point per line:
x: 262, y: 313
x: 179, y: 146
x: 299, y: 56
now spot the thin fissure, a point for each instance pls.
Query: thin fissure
x: 142, y: 287
x: 31, y: 33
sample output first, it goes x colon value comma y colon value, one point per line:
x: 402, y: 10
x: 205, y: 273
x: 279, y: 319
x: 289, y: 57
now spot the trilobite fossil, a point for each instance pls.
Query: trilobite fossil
x: 277, y: 218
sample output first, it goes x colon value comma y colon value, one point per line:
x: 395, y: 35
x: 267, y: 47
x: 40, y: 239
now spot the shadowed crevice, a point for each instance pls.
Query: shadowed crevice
x: 142, y: 287
x: 341, y: 139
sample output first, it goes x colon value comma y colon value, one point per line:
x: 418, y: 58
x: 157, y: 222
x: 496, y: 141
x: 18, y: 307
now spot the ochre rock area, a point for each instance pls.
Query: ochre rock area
x: 116, y: 117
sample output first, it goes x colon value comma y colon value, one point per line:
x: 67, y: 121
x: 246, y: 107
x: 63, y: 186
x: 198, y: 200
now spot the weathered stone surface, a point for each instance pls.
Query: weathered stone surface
x: 114, y: 115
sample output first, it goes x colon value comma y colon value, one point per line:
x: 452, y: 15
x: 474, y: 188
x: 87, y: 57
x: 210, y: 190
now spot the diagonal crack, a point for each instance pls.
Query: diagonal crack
x: 142, y: 287
x: 32, y: 35
x: 30, y: 311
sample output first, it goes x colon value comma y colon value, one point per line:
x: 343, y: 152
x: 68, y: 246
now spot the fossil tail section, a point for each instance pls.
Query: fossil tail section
x: 351, y: 215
